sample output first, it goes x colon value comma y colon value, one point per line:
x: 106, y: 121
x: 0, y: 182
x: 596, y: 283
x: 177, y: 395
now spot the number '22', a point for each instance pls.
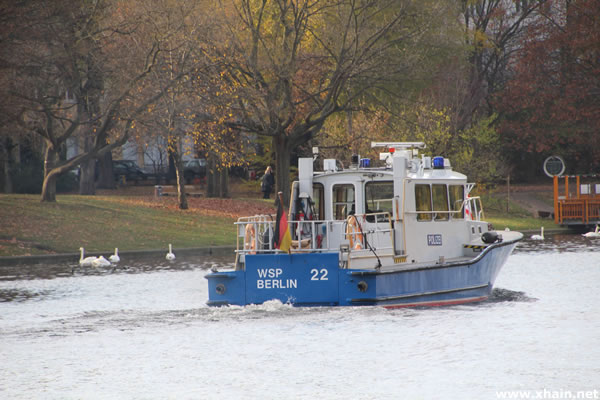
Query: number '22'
x: 318, y: 275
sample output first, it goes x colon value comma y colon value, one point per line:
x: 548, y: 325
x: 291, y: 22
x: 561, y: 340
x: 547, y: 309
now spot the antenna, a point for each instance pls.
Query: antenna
x: 399, y: 145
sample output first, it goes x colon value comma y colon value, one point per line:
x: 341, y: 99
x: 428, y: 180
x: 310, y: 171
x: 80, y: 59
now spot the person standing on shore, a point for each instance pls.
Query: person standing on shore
x: 268, y: 181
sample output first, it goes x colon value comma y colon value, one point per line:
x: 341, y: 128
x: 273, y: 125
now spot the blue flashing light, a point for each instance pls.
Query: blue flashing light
x: 365, y: 162
x: 438, y: 162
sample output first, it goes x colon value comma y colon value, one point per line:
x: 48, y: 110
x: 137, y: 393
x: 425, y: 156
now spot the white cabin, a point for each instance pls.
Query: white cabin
x: 410, y: 210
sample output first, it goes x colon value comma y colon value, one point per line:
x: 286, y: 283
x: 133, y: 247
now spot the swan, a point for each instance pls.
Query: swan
x: 100, y: 262
x: 87, y: 261
x: 594, y: 234
x: 115, y: 257
x: 538, y: 237
x: 170, y: 256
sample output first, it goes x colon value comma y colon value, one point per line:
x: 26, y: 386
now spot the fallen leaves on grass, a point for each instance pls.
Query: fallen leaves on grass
x: 232, y: 208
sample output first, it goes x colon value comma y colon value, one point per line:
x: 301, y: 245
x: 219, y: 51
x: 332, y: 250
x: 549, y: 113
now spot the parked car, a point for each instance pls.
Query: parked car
x: 129, y: 170
x: 194, y: 169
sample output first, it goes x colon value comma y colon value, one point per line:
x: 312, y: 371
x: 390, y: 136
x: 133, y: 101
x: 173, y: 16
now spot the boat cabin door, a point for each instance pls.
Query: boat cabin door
x: 379, y: 215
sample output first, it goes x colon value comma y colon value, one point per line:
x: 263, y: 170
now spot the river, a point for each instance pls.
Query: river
x: 143, y: 331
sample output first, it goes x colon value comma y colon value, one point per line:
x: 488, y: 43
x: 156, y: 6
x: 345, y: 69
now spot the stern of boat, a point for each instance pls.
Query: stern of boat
x: 299, y: 279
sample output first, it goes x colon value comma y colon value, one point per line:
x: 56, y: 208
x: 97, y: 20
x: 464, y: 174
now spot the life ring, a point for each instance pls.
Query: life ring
x: 250, y: 238
x: 353, y: 232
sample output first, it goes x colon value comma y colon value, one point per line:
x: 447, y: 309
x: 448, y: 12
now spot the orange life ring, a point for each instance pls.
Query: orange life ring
x: 250, y: 238
x: 353, y: 232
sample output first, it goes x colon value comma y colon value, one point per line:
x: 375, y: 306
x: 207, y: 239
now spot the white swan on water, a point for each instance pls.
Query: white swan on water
x: 115, y: 257
x: 87, y: 261
x: 100, y: 262
x: 595, y: 233
x: 538, y: 237
x: 170, y: 256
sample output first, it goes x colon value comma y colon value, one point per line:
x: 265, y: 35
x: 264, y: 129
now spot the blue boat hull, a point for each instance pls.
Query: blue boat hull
x: 317, y: 280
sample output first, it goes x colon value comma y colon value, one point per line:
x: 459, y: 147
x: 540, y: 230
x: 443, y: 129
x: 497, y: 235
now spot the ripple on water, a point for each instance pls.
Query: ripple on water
x: 145, y: 331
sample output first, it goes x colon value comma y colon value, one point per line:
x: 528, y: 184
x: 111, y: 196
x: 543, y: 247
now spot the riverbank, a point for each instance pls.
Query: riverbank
x: 133, y: 220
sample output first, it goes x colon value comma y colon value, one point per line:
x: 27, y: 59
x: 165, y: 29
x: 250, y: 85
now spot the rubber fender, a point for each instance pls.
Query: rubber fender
x: 489, y: 237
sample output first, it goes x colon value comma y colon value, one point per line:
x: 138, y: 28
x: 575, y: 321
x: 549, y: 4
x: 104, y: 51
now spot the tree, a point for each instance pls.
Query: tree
x: 77, y: 71
x: 493, y: 30
x: 182, y: 25
x: 293, y: 64
x: 552, y: 103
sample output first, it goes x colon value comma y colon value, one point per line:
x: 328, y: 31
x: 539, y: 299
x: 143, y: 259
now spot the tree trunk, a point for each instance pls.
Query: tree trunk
x: 87, y: 170
x: 282, y: 169
x: 171, y: 172
x: 179, y: 178
x: 224, y: 183
x: 49, y: 185
x: 211, y: 173
x: 87, y: 173
x: 5, y: 166
x: 217, y: 179
x: 181, y: 195
x: 106, y: 180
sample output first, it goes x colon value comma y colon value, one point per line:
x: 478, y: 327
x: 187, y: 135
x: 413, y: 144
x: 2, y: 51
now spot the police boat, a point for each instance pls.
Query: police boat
x: 406, y: 233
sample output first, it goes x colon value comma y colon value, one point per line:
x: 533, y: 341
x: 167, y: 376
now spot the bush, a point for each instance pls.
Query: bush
x: 28, y: 177
x: 67, y: 182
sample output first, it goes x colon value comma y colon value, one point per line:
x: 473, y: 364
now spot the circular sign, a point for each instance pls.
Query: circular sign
x: 554, y: 165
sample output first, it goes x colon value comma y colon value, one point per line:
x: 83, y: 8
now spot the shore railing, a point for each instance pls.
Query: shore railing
x: 582, y: 206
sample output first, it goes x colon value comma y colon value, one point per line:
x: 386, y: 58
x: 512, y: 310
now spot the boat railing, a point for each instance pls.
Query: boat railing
x: 255, y: 234
x: 375, y: 232
x: 473, y: 208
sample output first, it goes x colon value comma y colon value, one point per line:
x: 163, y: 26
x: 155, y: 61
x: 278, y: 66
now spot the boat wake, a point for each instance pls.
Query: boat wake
x: 500, y: 295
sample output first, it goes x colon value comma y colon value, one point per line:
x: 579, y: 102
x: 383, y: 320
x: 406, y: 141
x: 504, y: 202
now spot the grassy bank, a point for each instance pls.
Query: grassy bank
x: 513, y: 217
x: 101, y: 223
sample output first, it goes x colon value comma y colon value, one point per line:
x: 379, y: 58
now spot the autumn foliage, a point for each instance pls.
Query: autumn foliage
x: 552, y: 103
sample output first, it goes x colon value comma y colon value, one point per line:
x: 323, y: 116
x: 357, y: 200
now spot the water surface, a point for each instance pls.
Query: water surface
x: 144, y: 331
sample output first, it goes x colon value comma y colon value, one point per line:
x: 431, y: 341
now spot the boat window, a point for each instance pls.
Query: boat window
x: 440, y: 201
x: 423, y: 202
x: 317, y: 199
x: 379, y: 197
x: 457, y: 196
x: 343, y: 201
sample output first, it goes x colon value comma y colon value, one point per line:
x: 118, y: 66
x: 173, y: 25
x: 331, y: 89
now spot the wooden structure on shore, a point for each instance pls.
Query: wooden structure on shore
x: 581, y: 207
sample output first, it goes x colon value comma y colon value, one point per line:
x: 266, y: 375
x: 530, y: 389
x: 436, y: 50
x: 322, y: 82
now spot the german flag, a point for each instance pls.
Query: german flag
x: 283, y: 239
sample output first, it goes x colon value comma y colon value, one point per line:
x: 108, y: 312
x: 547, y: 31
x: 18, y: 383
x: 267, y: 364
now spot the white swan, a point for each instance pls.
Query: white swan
x: 87, y: 261
x: 100, y: 262
x: 115, y: 257
x: 538, y: 237
x: 170, y: 256
x: 594, y: 234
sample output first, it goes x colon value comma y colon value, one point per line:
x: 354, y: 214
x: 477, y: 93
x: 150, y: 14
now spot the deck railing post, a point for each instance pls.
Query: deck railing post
x: 556, y: 210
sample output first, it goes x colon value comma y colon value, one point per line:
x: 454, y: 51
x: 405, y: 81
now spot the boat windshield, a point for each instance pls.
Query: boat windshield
x: 343, y: 201
x: 379, y: 197
x: 440, y: 201
x: 423, y: 202
x: 457, y: 196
